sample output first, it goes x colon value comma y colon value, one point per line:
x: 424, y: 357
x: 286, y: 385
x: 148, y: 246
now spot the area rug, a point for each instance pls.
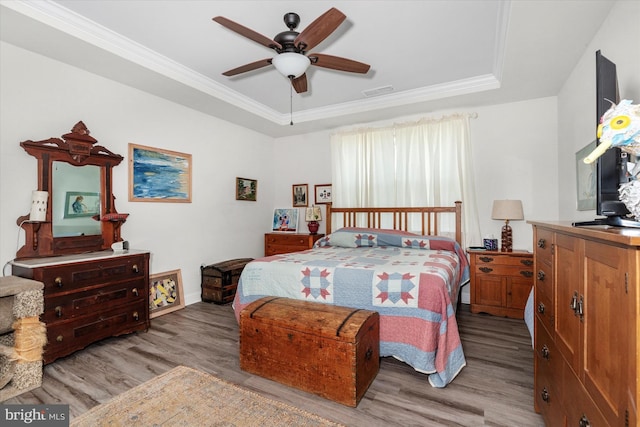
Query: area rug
x: 187, y: 397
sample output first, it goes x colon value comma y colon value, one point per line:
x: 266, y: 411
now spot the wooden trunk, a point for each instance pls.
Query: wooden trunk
x: 324, y: 349
x: 220, y: 281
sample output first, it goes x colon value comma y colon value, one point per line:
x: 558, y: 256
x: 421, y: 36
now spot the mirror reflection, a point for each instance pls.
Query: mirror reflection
x: 75, y: 199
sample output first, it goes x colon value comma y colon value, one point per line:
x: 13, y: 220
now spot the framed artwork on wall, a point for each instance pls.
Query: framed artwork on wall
x: 586, y: 179
x: 323, y: 194
x: 246, y: 189
x: 300, y: 194
x: 285, y: 220
x: 157, y: 175
x: 165, y: 293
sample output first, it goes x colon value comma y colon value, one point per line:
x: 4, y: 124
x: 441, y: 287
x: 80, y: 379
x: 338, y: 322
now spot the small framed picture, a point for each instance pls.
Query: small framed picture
x: 79, y: 204
x: 165, y: 293
x: 300, y: 195
x: 285, y: 220
x: 323, y: 194
x: 246, y: 189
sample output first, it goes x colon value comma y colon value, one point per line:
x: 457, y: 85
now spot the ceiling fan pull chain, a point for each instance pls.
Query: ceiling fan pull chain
x: 291, y: 101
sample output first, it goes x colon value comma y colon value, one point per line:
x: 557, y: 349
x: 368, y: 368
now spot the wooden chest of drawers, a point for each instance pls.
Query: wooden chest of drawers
x: 89, y: 297
x: 282, y: 243
x: 586, y: 365
x: 500, y: 282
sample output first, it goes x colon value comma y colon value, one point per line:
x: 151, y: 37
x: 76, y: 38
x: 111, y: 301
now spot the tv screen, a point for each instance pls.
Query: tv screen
x: 611, y: 167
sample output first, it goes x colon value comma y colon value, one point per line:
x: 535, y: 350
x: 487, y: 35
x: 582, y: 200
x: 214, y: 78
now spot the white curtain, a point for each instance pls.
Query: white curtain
x: 424, y: 163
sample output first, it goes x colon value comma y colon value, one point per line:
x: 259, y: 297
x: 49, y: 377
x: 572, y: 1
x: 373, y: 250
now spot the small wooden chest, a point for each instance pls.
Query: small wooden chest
x: 220, y: 281
x: 327, y: 350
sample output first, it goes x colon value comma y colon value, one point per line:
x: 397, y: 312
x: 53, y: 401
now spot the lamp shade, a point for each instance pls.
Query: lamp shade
x: 291, y: 64
x: 38, y: 211
x: 313, y: 214
x: 507, y: 210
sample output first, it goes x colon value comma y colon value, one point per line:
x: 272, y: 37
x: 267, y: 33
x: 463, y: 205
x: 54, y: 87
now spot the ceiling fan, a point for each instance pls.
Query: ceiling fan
x: 292, y: 59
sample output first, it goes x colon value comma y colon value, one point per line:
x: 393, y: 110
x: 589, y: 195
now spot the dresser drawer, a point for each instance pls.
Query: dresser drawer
x: 548, y: 366
x: 67, y: 306
x: 281, y: 243
x: 504, y: 270
x: 68, y: 336
x: 288, y: 239
x: 506, y: 260
x: 70, y: 277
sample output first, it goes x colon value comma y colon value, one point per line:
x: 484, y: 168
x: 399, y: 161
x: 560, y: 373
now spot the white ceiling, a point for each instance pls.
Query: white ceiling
x: 434, y: 54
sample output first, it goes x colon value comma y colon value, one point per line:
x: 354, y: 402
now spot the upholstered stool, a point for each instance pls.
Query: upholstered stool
x: 22, y: 335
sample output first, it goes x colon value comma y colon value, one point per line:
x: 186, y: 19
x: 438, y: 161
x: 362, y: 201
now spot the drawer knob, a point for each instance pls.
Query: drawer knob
x: 58, y: 310
x: 545, y: 394
x: 545, y: 352
x: 59, y: 338
x: 486, y: 269
x: 542, y: 243
x: 584, y: 421
x: 135, y: 268
x: 541, y: 308
x: 58, y: 281
x: 135, y: 291
x: 485, y: 259
x: 136, y: 316
x: 541, y: 275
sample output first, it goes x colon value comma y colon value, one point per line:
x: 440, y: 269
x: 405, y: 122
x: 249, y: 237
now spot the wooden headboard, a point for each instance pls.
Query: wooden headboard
x: 400, y: 217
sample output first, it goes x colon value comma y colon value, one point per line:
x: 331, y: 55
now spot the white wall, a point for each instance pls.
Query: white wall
x: 619, y: 40
x: 42, y: 98
x: 514, y: 158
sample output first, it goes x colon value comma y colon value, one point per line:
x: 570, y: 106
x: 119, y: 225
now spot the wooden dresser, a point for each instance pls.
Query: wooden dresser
x: 89, y: 297
x: 282, y: 243
x: 586, y: 327
x: 500, y: 282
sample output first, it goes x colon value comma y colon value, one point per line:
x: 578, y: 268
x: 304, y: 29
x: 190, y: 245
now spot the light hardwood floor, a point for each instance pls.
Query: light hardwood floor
x: 494, y: 389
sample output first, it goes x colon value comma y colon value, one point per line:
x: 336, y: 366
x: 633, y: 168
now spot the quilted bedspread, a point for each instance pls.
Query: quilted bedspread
x: 410, y: 280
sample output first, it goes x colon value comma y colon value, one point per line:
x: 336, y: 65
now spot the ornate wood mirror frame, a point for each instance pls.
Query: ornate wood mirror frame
x: 78, y: 149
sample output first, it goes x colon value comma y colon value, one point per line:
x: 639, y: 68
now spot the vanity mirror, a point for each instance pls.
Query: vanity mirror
x: 81, y: 214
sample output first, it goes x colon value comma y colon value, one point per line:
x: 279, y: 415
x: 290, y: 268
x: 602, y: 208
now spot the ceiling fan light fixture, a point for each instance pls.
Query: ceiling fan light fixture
x: 291, y: 64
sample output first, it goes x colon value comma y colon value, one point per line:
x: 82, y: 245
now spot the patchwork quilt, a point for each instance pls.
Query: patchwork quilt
x: 411, y: 280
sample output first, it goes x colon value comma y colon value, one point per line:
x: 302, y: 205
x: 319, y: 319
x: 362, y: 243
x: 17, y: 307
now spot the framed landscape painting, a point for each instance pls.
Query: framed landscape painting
x: 157, y: 175
x: 246, y: 189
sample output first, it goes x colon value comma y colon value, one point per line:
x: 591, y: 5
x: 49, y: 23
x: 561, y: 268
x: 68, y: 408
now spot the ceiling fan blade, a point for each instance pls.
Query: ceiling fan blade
x: 319, y: 29
x: 247, y: 32
x: 300, y: 83
x: 248, y: 67
x: 338, y: 63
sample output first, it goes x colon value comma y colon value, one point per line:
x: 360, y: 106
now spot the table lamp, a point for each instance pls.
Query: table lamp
x: 312, y: 216
x: 508, y: 210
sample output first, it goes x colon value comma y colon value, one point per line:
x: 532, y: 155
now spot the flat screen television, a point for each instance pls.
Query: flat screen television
x: 611, y: 167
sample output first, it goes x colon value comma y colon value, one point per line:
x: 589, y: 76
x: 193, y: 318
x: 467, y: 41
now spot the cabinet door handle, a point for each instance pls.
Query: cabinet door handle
x: 580, y: 308
x: 485, y: 259
x: 573, y: 305
x: 541, y: 308
x: 527, y: 262
x: 541, y: 275
x: 542, y: 243
x: 527, y: 273
x: 486, y: 269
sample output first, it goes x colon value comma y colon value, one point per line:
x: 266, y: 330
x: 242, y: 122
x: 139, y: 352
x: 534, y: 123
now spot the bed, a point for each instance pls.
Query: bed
x: 371, y: 261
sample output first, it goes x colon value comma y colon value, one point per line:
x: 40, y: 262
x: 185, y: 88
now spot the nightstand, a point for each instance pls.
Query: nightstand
x: 500, y: 282
x: 282, y: 243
